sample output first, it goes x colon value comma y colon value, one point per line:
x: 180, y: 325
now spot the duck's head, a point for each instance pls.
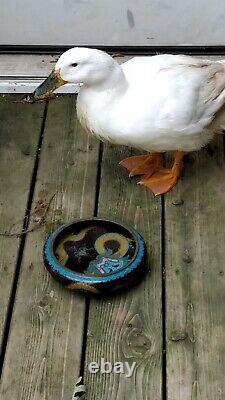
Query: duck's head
x: 77, y: 65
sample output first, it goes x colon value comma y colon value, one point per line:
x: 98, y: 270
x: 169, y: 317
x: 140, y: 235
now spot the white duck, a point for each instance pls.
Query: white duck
x: 157, y: 104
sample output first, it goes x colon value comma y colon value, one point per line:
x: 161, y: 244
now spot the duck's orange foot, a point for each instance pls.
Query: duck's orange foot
x: 143, y: 165
x: 161, y: 182
x: 165, y: 179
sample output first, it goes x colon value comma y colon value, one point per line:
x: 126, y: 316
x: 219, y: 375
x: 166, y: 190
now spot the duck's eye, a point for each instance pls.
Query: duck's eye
x: 74, y: 65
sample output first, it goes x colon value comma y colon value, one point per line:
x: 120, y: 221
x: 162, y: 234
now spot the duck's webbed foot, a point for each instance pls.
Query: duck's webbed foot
x: 145, y: 165
x: 165, y: 179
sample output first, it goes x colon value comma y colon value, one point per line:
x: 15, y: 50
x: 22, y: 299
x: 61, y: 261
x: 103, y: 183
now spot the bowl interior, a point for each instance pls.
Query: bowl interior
x: 95, y: 247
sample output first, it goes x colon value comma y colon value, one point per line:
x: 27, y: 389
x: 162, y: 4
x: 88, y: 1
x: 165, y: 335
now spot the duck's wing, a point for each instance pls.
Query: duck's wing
x: 151, y: 64
x: 190, y: 91
x: 209, y: 87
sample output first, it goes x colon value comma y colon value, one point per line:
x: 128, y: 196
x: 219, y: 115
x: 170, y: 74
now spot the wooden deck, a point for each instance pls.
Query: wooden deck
x: 172, y: 324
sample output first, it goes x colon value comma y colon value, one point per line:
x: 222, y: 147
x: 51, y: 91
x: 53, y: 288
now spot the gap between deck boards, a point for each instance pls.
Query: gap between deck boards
x: 25, y: 226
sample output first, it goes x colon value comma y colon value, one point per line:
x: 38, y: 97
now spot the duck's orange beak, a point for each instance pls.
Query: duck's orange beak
x: 50, y: 84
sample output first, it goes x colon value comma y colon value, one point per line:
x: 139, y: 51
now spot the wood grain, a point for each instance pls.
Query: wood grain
x: 127, y: 326
x: 44, y: 348
x: 19, y: 134
x: 195, y: 279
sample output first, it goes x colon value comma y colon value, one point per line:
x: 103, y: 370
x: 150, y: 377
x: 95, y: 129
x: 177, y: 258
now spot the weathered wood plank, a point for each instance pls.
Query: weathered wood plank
x: 19, y: 135
x: 127, y: 327
x: 195, y: 279
x: 44, y: 348
x: 26, y: 65
x: 31, y: 65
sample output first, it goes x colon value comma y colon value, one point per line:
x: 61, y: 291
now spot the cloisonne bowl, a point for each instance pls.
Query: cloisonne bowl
x: 95, y: 255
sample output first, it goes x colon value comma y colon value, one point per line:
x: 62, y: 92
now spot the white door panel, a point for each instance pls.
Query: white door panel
x: 112, y: 23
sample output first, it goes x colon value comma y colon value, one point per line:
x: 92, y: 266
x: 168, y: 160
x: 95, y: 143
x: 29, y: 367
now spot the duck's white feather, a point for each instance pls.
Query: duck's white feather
x: 160, y: 103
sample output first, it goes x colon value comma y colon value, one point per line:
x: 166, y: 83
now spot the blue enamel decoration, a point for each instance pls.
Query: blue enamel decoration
x: 95, y: 255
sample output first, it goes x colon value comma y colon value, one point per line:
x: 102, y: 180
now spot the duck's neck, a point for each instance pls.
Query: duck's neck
x: 96, y: 102
x: 114, y: 83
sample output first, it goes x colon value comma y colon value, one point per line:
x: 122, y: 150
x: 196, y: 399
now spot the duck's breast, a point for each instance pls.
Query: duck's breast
x: 97, y: 114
